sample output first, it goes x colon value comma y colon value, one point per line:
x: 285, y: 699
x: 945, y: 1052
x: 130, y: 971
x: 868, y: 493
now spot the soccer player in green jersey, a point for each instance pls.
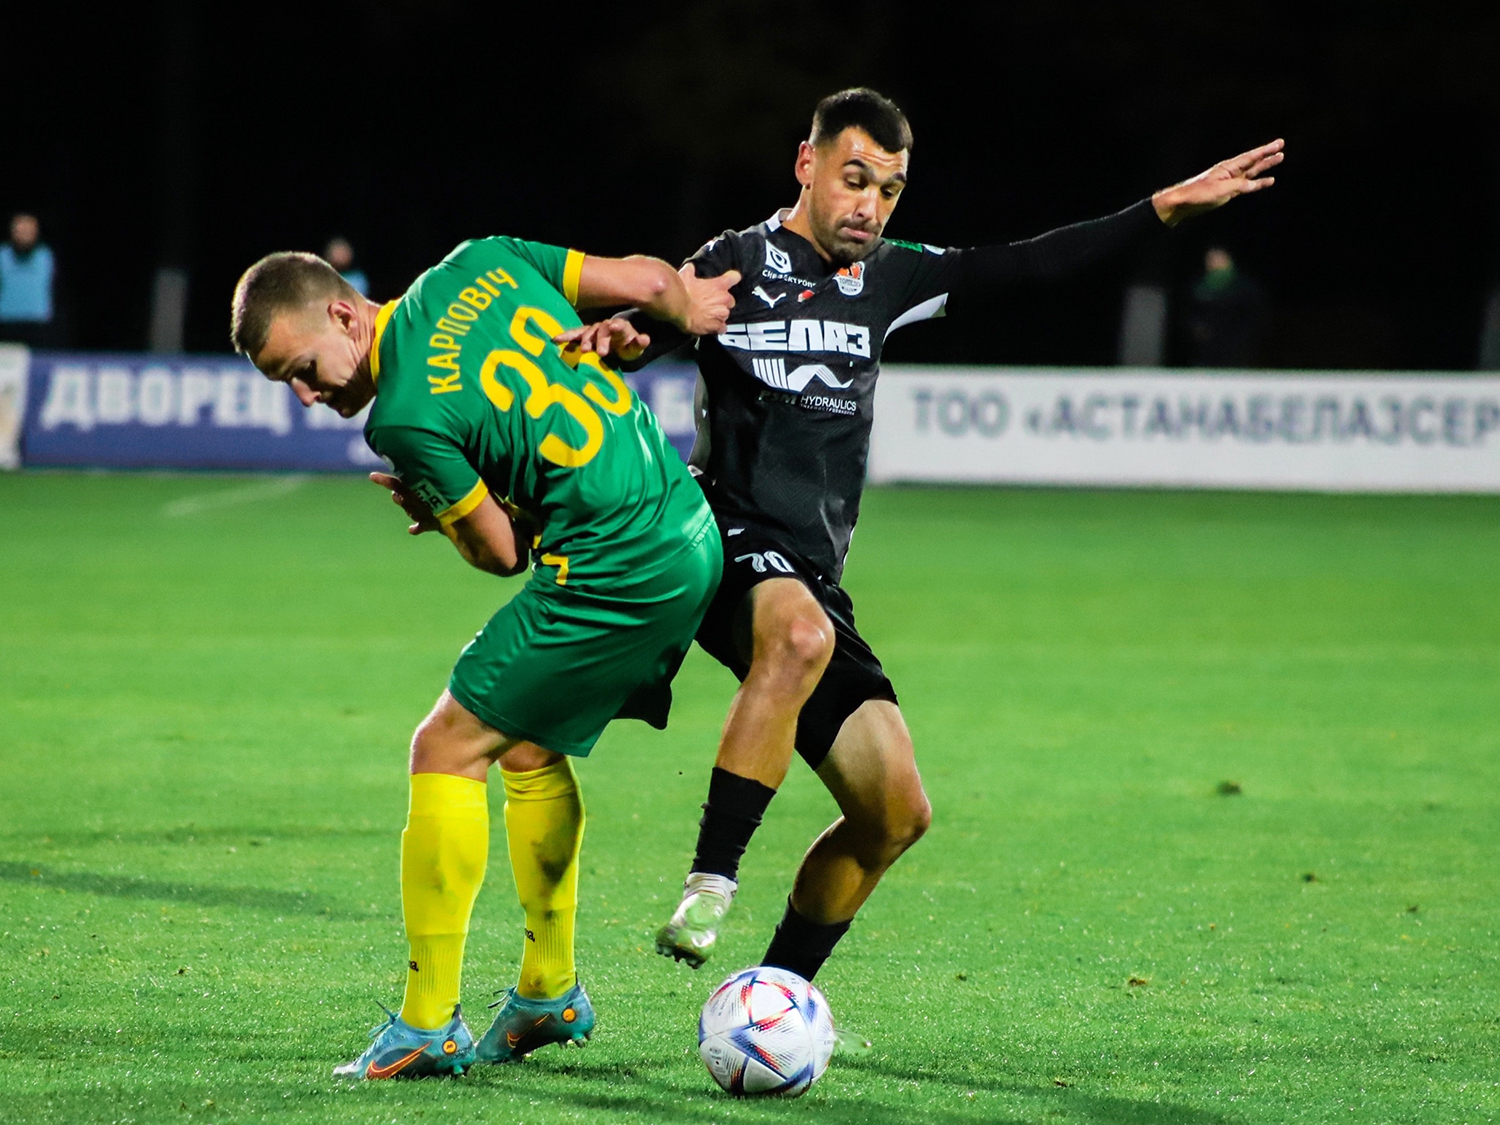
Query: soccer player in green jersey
x: 516, y: 450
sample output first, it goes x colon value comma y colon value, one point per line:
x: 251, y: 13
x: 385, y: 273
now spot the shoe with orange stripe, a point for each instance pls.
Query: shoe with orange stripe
x: 524, y: 1025
x: 402, y: 1051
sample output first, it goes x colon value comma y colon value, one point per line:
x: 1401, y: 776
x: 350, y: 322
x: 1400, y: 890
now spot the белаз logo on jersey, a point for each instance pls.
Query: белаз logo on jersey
x: 851, y: 279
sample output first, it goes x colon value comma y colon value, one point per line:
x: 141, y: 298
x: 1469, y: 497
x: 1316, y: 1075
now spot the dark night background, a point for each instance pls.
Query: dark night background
x: 207, y: 135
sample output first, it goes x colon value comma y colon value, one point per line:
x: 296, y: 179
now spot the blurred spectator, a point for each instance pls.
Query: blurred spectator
x: 340, y: 255
x: 1227, y: 315
x: 26, y: 270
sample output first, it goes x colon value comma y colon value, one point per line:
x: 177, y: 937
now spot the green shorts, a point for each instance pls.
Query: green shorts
x: 555, y: 665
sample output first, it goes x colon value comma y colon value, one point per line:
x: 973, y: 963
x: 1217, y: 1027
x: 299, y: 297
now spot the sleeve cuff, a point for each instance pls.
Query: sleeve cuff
x: 455, y: 512
x: 1147, y: 218
x: 572, y: 272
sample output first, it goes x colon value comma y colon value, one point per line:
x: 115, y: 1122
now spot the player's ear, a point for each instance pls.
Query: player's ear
x: 804, y: 166
x: 341, y: 312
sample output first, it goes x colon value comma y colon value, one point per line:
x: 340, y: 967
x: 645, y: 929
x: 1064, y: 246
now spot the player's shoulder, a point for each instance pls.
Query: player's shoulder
x: 900, y: 249
x: 387, y: 414
x: 728, y: 247
x: 895, y: 263
x: 475, y: 255
x: 471, y: 275
x: 404, y: 423
x: 505, y: 253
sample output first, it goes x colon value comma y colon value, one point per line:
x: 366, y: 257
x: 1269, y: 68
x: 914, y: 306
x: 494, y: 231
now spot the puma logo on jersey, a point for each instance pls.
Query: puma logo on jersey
x: 773, y: 373
x: 771, y: 302
x: 798, y: 336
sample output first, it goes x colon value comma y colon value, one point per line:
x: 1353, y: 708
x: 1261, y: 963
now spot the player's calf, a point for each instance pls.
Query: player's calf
x: 792, y: 641
x: 871, y: 772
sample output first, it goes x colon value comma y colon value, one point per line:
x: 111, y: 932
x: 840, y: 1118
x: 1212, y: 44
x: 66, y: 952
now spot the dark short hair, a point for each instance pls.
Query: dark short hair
x: 862, y: 108
x: 280, y: 283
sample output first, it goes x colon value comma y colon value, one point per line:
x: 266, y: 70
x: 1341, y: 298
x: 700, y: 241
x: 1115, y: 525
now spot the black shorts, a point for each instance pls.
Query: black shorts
x: 853, y: 675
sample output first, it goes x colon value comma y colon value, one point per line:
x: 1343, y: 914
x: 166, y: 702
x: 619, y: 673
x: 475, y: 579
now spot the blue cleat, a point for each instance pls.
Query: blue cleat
x: 523, y: 1025
x: 402, y: 1051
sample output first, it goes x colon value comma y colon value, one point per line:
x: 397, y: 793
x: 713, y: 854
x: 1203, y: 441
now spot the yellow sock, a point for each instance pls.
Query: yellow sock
x: 544, y: 827
x: 443, y: 854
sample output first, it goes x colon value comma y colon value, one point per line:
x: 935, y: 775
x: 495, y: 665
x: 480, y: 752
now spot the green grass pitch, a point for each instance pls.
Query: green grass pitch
x: 207, y: 685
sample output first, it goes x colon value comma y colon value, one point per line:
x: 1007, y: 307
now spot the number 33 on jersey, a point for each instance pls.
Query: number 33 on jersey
x: 472, y: 397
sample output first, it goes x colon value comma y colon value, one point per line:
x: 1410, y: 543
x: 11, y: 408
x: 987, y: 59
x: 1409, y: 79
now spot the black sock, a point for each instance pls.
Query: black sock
x: 730, y: 817
x: 802, y: 946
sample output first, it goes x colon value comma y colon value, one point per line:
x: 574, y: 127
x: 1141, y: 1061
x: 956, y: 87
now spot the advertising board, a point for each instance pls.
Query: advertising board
x: 218, y: 412
x: 1256, y: 430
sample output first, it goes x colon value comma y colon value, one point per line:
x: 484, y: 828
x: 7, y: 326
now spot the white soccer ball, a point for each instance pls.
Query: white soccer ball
x: 766, y: 1031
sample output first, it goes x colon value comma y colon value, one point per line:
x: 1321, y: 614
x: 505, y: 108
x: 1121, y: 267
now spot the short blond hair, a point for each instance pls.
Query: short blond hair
x: 278, y: 283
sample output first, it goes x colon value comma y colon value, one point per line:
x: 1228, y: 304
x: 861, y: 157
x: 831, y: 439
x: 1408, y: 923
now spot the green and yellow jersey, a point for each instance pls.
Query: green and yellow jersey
x: 473, y: 398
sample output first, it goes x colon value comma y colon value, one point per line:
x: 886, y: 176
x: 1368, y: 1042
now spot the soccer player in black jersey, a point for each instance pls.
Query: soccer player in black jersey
x: 785, y: 407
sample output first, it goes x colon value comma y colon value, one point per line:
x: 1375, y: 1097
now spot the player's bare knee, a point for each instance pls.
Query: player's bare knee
x: 880, y: 842
x: 790, y: 658
x: 916, y: 821
x: 423, y: 749
x: 439, y: 744
x: 430, y: 750
x: 809, y: 642
x: 804, y: 647
x: 901, y: 828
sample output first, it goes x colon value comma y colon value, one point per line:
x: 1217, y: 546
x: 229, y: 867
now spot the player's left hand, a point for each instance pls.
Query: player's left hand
x: 1221, y: 183
x: 408, y: 503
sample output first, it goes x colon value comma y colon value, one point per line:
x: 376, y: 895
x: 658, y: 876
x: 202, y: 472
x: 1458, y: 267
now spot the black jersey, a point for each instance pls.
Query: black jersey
x: 786, y: 392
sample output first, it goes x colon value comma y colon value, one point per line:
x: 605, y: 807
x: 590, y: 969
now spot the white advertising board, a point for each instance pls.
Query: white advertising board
x: 1317, y: 431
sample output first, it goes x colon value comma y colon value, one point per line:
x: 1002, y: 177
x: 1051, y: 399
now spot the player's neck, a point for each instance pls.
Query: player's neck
x: 368, y: 311
x: 799, y: 223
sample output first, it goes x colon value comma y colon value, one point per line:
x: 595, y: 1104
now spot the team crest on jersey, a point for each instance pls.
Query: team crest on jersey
x: 851, y: 279
x: 778, y: 260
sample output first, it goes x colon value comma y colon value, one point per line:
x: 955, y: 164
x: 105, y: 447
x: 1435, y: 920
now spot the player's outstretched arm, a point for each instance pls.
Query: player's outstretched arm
x: 1068, y: 250
x: 1239, y: 175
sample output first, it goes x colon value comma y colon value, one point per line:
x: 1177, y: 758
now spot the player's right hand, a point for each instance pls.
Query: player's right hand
x: 709, y: 300
x: 409, y: 503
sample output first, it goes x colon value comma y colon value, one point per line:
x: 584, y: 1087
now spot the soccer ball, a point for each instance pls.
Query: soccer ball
x: 766, y: 1031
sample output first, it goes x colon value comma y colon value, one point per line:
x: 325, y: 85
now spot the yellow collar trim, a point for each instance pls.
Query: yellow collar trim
x: 382, y: 318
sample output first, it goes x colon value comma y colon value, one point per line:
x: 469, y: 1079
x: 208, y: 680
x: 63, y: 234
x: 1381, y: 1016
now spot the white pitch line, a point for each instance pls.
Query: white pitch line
x: 228, y: 497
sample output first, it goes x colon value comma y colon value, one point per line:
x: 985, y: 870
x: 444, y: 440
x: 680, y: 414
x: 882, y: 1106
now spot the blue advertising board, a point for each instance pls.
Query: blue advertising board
x: 218, y: 412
